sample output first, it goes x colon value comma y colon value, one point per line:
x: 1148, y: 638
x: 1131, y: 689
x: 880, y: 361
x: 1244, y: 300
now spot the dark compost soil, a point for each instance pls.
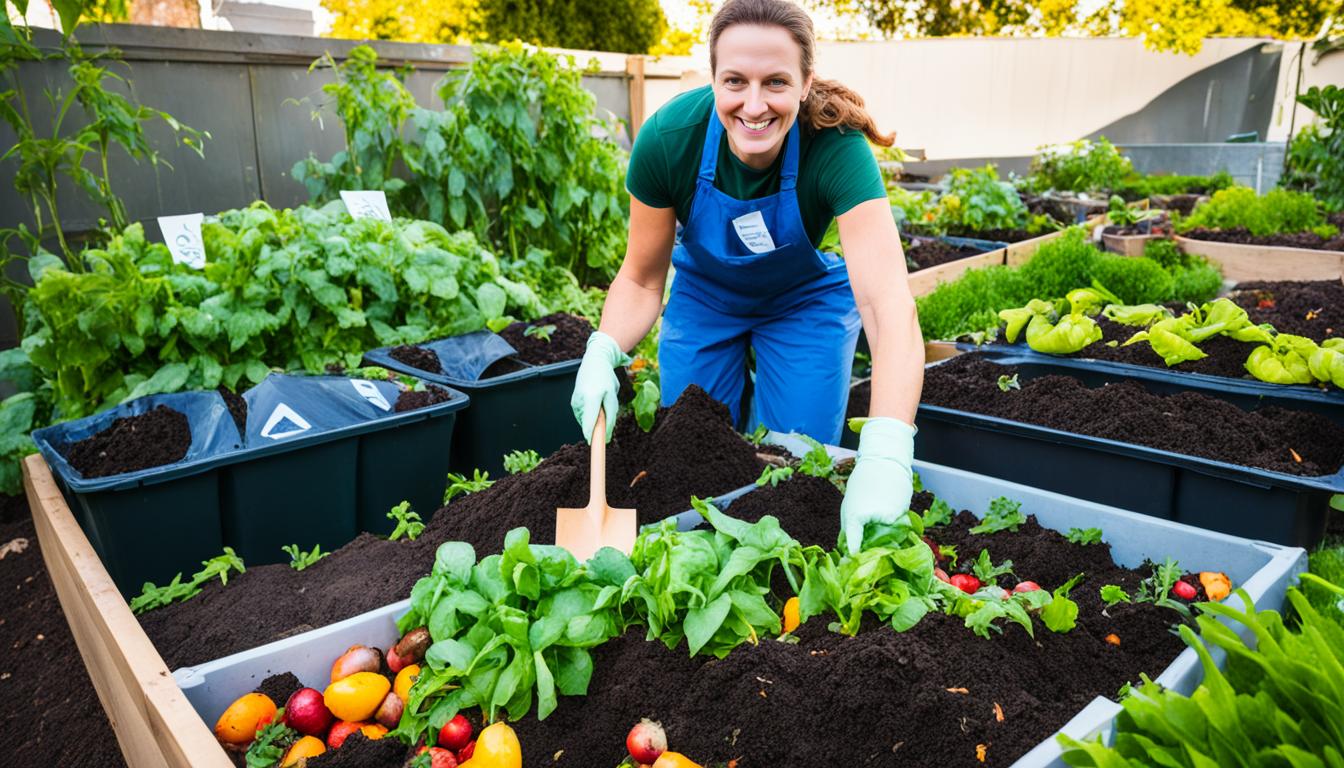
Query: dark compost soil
x: 278, y: 688
x: 1190, y: 423
x: 432, y: 395
x: 49, y: 713
x: 931, y: 253
x: 567, y: 341
x: 359, y: 751
x: 1001, y: 235
x: 152, y: 439
x: 1242, y: 236
x: 860, y: 396
x: 691, y: 450
x: 881, y: 698
x: 1311, y: 308
x: 418, y: 358
x: 237, y: 407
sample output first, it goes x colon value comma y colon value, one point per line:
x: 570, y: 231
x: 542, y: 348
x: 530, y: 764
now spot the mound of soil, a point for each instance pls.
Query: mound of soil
x: 152, y: 439
x: 800, y: 493
x: 237, y: 407
x: 432, y: 395
x: 1190, y: 423
x: 47, y: 697
x: 1311, y: 308
x: 931, y: 253
x: 359, y: 751
x: 418, y: 358
x: 566, y: 342
x: 1243, y: 236
x: 691, y: 450
x: 279, y: 687
x: 927, y: 696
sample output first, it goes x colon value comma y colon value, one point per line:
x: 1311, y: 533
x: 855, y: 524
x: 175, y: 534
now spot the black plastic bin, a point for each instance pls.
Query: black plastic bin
x: 522, y: 410
x: 314, y: 487
x: 1233, y: 499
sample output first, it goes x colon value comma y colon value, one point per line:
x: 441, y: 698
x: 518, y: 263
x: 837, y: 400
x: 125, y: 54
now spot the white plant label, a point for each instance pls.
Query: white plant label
x: 366, y: 205
x: 183, y: 236
x: 751, y: 230
x: 369, y: 391
x: 284, y: 422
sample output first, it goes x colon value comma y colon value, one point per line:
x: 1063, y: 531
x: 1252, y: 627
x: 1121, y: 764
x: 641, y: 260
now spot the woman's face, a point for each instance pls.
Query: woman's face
x: 758, y: 86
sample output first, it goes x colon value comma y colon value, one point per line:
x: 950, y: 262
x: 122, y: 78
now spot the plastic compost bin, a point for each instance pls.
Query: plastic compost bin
x: 518, y: 411
x: 1264, y: 570
x: 1234, y: 499
x: 322, y: 460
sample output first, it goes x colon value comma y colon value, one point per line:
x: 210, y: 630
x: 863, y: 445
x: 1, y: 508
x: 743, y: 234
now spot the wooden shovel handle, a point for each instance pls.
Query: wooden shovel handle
x: 597, y: 476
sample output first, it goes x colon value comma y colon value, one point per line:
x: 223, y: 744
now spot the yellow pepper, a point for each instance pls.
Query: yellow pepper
x: 1216, y: 585
x: 496, y: 747
x: 356, y: 697
x: 240, y: 722
x: 405, y: 679
x: 791, y: 614
x: 308, y: 746
x: 674, y: 760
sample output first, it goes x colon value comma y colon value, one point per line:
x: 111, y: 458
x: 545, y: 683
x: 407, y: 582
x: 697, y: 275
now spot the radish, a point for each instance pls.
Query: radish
x: 933, y: 546
x: 646, y: 741
x: 1184, y: 590
x: 409, y: 650
x: 340, y: 732
x: 965, y: 582
x: 941, y: 575
x: 1026, y: 586
x: 307, y: 713
x: 464, y: 754
x: 357, y: 658
x: 389, y: 712
x: 455, y: 733
x: 440, y: 757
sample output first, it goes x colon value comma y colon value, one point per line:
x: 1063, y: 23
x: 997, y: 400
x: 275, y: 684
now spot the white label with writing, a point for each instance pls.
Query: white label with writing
x: 751, y: 229
x: 369, y: 391
x: 366, y: 205
x: 183, y: 236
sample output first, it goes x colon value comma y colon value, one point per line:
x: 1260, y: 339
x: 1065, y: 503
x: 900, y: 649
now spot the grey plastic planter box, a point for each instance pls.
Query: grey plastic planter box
x: 1264, y: 570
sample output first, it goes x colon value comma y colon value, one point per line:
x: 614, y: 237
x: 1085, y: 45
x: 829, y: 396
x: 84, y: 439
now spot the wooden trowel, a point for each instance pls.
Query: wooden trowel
x: 584, y: 531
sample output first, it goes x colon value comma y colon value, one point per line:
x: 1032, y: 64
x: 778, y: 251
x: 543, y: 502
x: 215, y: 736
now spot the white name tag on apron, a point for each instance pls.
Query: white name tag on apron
x: 751, y: 230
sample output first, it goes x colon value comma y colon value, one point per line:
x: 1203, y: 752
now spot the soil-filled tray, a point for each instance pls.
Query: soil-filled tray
x: 692, y: 450
x: 936, y: 694
x: 1193, y: 456
x: 172, y: 480
x: 943, y: 259
x: 519, y: 392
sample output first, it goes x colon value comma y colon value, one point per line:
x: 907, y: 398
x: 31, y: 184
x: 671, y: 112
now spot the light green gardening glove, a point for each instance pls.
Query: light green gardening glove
x: 595, y: 386
x: 880, y: 485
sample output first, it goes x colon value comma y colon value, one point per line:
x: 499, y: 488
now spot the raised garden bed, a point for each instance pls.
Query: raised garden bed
x: 944, y: 259
x: 932, y: 691
x: 519, y: 381
x: 1241, y: 262
x: 1193, y: 457
x: 334, y: 453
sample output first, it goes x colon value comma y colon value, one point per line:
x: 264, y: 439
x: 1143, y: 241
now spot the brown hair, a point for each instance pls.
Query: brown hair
x: 830, y: 104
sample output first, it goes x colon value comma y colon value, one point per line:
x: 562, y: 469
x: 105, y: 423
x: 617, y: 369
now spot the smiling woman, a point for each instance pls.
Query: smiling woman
x: 754, y: 168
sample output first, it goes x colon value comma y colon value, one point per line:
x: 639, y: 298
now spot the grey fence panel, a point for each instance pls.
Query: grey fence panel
x: 287, y: 96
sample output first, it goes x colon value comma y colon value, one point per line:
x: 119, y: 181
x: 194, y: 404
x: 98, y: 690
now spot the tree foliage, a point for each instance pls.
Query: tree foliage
x: 409, y: 21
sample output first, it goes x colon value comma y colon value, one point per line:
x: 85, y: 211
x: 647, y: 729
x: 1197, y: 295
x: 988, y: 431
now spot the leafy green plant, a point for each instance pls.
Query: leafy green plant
x: 1315, y: 161
x: 408, y: 523
x: 1121, y: 215
x: 1082, y: 166
x: 542, y: 332
x: 773, y: 476
x: 1277, y: 702
x: 298, y: 559
x: 1136, y: 187
x: 1061, y: 613
x: 518, y: 462
x: 817, y: 462
x: 1084, y: 536
x: 460, y: 484
x: 219, y: 567
x: 1156, y: 589
x: 268, y: 749
x: 647, y: 400
x: 938, y: 513
x: 1007, y: 383
x: 757, y: 435
x: 1112, y: 594
x: 1277, y: 211
x: 986, y: 571
x: 975, y: 200
x: 1004, y: 515
x: 1327, y: 562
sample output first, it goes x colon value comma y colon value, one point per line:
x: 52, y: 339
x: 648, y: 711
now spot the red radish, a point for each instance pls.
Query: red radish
x: 340, y: 731
x: 646, y: 741
x: 455, y: 733
x: 941, y: 575
x: 464, y: 754
x: 933, y: 545
x: 439, y: 757
x: 307, y: 713
x: 357, y: 658
x: 389, y: 712
x: 1026, y: 586
x: 965, y: 582
x: 1184, y: 590
x: 410, y: 649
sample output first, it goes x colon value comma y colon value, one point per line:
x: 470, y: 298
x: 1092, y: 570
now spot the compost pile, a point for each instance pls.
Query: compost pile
x: 152, y: 439
x: 692, y: 450
x: 880, y: 698
x: 1272, y: 438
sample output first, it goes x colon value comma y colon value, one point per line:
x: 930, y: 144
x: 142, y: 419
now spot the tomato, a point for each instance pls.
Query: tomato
x: 357, y: 696
x: 247, y: 714
x: 965, y: 582
x: 405, y: 679
x: 304, y: 748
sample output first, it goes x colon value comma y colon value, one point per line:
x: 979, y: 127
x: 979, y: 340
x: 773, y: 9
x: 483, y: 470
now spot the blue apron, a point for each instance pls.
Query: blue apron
x: 748, y: 277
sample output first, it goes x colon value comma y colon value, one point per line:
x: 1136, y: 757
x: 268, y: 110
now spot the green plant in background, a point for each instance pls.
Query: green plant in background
x: 647, y: 399
x: 1082, y: 166
x: 1004, y: 515
x: 1278, y: 702
x: 408, y: 522
x: 217, y: 567
x: 299, y: 560
x: 461, y: 484
x: 1278, y: 211
x: 1327, y: 562
x: 520, y: 462
x: 1137, y: 187
x: 1315, y: 161
x: 976, y: 199
x: 542, y: 332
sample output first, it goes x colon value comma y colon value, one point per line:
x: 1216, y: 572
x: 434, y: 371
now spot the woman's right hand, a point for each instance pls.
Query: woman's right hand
x: 595, y: 386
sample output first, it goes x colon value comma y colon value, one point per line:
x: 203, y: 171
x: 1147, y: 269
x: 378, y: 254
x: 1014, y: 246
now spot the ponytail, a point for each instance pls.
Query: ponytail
x: 830, y: 104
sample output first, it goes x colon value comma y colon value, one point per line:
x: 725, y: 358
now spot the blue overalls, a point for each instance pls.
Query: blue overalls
x: 747, y: 276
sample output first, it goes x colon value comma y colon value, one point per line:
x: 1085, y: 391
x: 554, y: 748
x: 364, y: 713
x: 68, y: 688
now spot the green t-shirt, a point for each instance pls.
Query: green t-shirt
x: 836, y: 170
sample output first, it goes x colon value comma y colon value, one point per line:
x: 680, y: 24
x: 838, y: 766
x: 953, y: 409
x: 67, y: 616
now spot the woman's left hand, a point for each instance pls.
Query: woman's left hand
x: 881, y: 484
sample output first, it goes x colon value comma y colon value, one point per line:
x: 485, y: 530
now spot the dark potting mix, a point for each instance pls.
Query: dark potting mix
x: 152, y: 439
x: 925, y: 253
x: 692, y: 450
x: 554, y: 338
x: 1273, y: 438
